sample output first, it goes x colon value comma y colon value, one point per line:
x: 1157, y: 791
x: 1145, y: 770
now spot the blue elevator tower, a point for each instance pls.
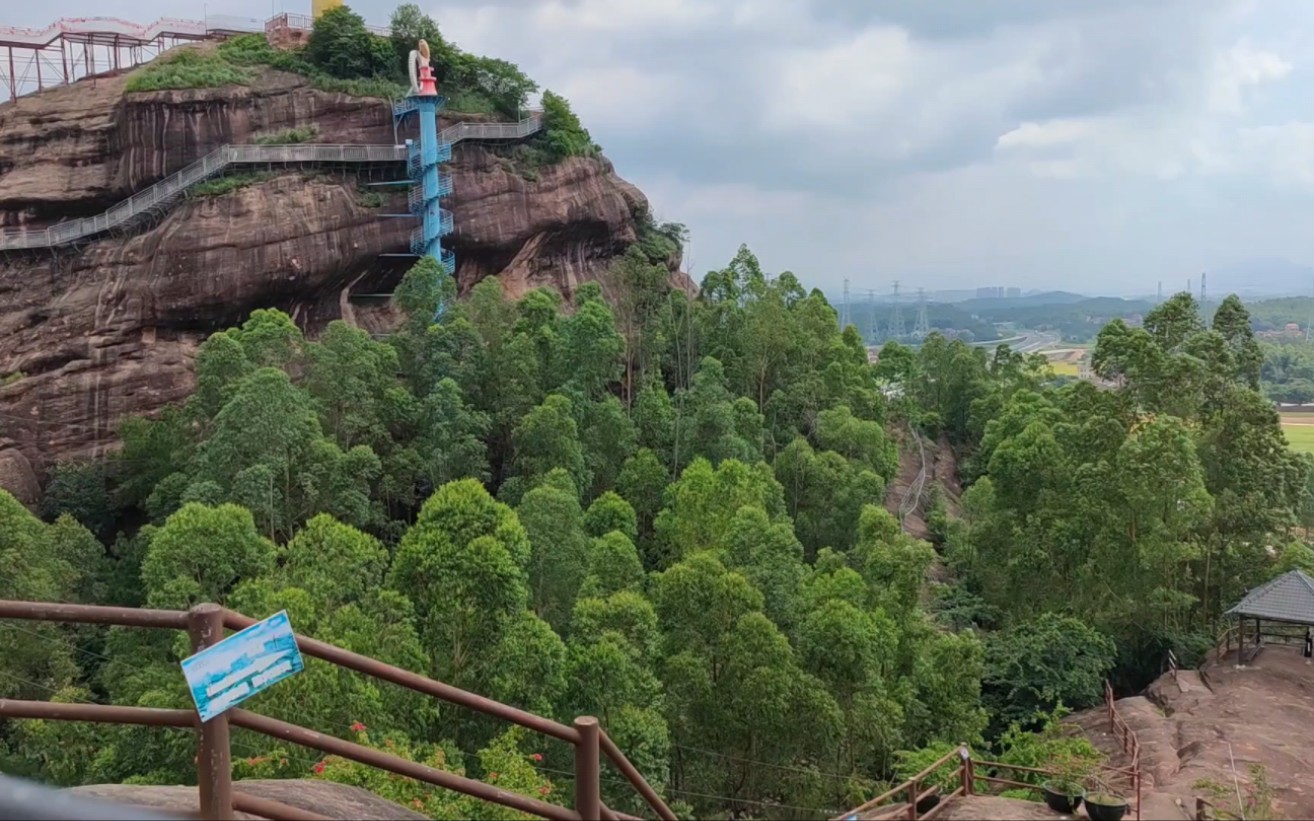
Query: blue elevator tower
x: 429, y: 184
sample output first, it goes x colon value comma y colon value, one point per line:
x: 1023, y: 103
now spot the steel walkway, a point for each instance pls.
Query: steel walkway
x: 163, y: 193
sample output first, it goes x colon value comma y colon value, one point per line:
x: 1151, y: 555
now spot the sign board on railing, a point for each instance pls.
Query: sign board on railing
x: 227, y: 673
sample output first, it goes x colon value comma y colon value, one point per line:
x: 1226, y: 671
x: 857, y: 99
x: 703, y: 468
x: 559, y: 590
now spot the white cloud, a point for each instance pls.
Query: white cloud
x: 842, y: 85
x: 1239, y: 69
x: 622, y: 15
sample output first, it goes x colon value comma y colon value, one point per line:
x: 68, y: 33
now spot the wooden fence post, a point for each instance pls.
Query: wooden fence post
x: 588, y: 787
x: 214, y: 760
x: 969, y: 777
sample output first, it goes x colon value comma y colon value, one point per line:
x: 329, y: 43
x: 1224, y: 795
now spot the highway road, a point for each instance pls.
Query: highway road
x: 1036, y: 341
x: 1025, y: 342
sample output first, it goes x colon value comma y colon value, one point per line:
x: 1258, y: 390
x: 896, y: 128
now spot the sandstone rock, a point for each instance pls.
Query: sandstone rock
x: 89, y: 336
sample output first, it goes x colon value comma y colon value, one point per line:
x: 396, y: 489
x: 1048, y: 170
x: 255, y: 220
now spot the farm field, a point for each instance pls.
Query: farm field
x: 1064, y: 368
x: 1299, y: 429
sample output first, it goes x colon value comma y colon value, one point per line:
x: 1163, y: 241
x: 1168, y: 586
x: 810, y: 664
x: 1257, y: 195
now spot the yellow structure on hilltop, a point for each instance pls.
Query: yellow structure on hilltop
x: 318, y: 7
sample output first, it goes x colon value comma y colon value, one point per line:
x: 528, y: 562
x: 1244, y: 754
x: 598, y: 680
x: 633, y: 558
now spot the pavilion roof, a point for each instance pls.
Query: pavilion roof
x: 1289, y: 598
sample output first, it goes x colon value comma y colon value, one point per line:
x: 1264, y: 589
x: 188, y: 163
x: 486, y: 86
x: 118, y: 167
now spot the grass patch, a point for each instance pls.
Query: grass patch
x: 370, y: 199
x: 225, y: 185
x: 359, y: 87
x: 470, y: 102
x: 238, y: 62
x: 288, y: 136
x: 1300, y: 437
x: 189, y: 68
x: 11, y: 378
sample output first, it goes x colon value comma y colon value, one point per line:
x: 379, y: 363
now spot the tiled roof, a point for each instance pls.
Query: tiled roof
x: 1289, y: 597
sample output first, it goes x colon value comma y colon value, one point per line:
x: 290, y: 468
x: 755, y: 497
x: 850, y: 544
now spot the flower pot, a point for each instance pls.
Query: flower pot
x: 1062, y: 797
x: 926, y: 804
x: 1105, y: 807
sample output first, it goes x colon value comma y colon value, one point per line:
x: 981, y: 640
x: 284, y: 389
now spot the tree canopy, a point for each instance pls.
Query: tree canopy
x: 669, y: 513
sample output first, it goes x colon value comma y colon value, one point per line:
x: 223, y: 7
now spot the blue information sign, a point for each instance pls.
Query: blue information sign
x: 228, y: 673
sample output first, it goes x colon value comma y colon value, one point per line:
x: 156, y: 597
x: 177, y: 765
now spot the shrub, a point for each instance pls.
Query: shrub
x: 225, y: 185
x: 288, y: 136
x: 188, y: 68
x: 562, y: 135
x: 502, y: 762
x: 342, y: 47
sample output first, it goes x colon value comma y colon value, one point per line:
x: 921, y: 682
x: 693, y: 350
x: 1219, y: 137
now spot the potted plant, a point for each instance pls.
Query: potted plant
x: 1071, y: 770
x: 1104, y: 805
x: 1062, y: 796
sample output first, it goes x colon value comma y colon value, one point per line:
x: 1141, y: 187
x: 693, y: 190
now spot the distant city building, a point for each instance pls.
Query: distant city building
x: 998, y: 292
x: 1291, y: 330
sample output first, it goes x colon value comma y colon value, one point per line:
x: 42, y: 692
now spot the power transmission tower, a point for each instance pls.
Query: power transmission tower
x: 896, y: 321
x: 1309, y: 326
x: 1158, y: 297
x: 844, y: 309
x: 1204, y: 314
x: 871, y: 315
x: 923, y: 327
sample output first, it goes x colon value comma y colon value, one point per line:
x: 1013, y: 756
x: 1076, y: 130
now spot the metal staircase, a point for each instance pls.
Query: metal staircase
x: 164, y: 193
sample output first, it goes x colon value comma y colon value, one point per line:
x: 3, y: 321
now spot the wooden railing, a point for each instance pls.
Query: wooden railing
x: 972, y: 777
x: 912, y: 792
x: 206, y: 623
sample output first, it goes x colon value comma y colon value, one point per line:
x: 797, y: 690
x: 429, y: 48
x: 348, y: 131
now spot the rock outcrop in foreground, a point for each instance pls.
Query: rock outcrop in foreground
x: 1201, y: 733
x: 92, y: 335
x: 322, y: 798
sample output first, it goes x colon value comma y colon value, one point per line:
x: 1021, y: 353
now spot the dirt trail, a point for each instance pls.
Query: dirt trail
x: 941, y: 473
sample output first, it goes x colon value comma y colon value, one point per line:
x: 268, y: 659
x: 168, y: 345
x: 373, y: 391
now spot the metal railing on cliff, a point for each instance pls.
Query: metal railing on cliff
x: 168, y: 190
x: 205, y: 623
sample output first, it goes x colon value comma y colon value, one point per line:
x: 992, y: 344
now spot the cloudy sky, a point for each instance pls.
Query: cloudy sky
x: 1095, y: 145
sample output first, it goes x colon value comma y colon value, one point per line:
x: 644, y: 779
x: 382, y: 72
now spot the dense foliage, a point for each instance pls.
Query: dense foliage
x: 1288, y: 371
x: 668, y: 513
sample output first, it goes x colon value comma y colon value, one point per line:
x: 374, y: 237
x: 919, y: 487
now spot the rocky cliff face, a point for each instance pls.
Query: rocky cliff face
x: 92, y: 335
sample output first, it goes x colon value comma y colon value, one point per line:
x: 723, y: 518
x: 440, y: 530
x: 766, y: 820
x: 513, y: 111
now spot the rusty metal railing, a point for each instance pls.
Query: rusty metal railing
x: 206, y: 623
x: 1126, y: 737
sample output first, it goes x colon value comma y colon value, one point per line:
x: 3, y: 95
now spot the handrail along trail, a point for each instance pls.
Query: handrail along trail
x: 977, y: 777
x: 216, y: 162
x: 218, y: 799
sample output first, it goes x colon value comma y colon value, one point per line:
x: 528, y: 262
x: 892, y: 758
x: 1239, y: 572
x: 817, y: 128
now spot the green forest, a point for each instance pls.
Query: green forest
x: 665, y: 512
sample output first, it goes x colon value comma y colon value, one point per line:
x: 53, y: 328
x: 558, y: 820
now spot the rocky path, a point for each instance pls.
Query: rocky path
x: 1224, y: 730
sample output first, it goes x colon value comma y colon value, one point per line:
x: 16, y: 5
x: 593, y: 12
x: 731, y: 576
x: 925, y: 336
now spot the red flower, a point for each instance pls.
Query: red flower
x: 358, y: 727
x: 544, y: 790
x: 417, y: 803
x: 537, y: 756
x: 492, y: 776
x: 319, y: 766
